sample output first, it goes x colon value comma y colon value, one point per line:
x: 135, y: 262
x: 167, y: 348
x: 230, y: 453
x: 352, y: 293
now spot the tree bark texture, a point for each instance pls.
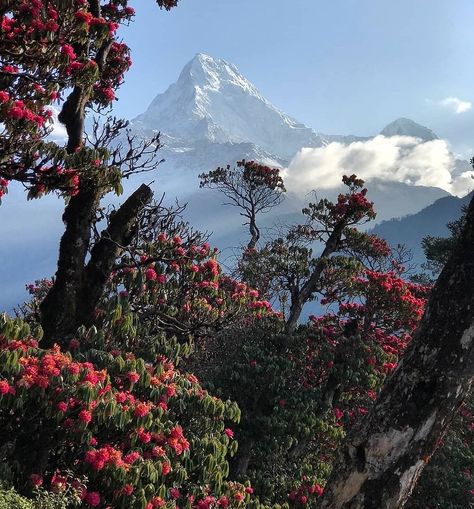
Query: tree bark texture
x: 240, y: 463
x: 382, y: 458
x: 118, y: 234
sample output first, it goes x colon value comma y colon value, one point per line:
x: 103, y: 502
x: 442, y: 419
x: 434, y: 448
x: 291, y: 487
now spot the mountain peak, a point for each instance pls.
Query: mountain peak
x: 407, y: 127
x: 213, y: 102
x: 214, y: 73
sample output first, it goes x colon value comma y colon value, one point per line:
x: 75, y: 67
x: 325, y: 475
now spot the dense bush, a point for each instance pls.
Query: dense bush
x: 143, y: 434
x: 300, y: 392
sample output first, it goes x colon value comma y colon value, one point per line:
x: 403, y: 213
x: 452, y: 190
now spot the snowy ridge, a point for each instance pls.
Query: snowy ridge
x: 212, y: 116
x: 406, y: 127
x: 211, y: 101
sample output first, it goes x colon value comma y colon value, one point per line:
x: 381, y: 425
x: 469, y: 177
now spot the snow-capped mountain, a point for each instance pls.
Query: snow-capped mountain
x: 212, y: 115
x: 212, y: 102
x: 407, y: 127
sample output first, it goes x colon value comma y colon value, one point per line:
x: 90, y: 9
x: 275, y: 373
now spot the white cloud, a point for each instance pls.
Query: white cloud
x: 392, y: 159
x: 455, y: 104
x: 59, y: 130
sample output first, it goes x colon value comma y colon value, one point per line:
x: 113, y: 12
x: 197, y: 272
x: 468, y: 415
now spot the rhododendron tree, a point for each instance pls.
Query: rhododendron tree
x: 288, y: 267
x: 66, y: 55
x: 253, y: 188
x: 384, y: 455
x: 301, y: 391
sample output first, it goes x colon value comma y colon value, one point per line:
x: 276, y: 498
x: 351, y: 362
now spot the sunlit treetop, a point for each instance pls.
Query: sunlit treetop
x: 57, y: 54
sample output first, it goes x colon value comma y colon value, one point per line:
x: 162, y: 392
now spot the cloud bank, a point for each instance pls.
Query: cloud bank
x: 392, y: 159
x: 455, y: 104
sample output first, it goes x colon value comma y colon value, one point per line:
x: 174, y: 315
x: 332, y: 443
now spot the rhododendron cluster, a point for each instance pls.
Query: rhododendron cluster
x: 55, y: 60
x: 305, y: 493
x: 170, y: 282
x: 125, y: 438
x: 252, y: 176
x: 307, y: 388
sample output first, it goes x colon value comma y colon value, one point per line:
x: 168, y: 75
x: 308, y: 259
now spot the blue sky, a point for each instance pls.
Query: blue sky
x: 340, y: 66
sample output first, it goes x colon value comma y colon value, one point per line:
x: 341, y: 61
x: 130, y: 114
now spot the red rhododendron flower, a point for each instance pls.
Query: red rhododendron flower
x: 174, y: 493
x: 133, y: 377
x: 36, y: 480
x: 223, y: 501
x: 127, y: 489
x: 93, y: 498
x: 62, y: 406
x: 68, y: 50
x: 142, y: 409
x: 85, y: 416
x: 131, y: 457
x: 150, y: 274
x: 4, y: 387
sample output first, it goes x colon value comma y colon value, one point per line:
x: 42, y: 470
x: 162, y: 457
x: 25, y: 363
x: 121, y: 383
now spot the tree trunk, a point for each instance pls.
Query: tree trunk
x: 78, y: 287
x: 382, y: 458
x: 254, y: 233
x: 58, y: 309
x: 241, y: 461
x: 301, y: 298
x: 119, y: 233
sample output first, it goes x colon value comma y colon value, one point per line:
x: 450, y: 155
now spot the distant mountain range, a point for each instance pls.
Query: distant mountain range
x: 214, y: 116
x: 432, y: 220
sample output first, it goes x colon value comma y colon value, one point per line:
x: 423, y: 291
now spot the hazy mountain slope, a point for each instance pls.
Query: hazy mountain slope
x: 432, y: 220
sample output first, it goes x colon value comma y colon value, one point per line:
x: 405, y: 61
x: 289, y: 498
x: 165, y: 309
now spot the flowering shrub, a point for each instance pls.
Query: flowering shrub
x: 184, y: 281
x: 143, y: 434
x: 165, y: 294
x: 298, y: 403
x: 54, y: 59
x: 249, y: 175
x: 67, y: 47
